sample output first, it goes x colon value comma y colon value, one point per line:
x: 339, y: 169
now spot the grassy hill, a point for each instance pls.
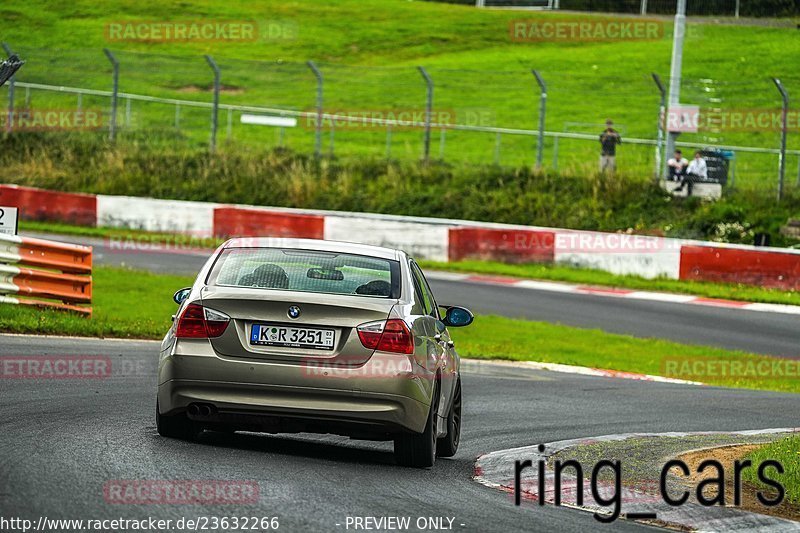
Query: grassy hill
x: 368, y: 51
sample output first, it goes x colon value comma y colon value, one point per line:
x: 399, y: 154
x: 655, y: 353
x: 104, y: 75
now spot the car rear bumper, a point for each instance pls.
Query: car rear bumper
x: 385, y: 395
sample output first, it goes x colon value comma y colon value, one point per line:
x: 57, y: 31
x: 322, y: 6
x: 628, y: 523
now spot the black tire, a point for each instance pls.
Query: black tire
x: 176, y: 426
x: 418, y: 450
x: 447, y: 446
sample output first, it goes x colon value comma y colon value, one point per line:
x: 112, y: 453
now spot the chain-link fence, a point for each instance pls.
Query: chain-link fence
x: 723, y: 8
x: 406, y: 113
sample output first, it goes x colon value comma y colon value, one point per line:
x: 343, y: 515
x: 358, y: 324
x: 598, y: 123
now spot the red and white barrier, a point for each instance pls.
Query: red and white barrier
x: 235, y: 221
x: 40, y: 204
x: 425, y: 238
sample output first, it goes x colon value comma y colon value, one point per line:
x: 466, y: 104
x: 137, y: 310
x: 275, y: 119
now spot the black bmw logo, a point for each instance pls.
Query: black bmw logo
x: 293, y: 312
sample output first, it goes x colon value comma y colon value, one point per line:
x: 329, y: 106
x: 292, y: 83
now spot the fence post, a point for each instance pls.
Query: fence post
x: 320, y: 102
x: 428, y: 112
x: 215, y: 111
x: 542, y: 112
x: 662, y: 109
x: 11, y: 80
x: 643, y: 9
x: 112, y: 126
x: 784, y: 117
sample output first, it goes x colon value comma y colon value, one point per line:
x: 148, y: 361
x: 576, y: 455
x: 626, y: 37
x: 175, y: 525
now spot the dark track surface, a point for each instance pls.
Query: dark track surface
x: 61, y: 440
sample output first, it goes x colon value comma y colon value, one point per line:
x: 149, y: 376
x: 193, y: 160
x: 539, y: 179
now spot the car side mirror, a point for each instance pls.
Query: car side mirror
x: 181, y: 295
x: 458, y: 317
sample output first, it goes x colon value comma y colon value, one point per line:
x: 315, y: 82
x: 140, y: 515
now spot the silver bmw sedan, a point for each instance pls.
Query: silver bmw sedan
x: 290, y: 335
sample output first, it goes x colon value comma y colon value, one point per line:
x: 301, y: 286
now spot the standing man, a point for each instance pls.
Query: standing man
x: 609, y: 140
x: 697, y: 171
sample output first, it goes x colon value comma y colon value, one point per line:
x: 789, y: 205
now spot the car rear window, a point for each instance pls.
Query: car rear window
x: 307, y: 271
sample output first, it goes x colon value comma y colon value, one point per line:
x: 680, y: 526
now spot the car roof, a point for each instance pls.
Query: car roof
x: 315, y: 244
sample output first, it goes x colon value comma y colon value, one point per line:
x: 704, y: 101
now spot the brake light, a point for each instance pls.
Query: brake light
x: 198, y: 322
x: 390, y: 335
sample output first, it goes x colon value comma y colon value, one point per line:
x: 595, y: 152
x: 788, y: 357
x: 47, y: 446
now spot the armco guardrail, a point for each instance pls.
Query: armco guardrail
x: 45, y: 273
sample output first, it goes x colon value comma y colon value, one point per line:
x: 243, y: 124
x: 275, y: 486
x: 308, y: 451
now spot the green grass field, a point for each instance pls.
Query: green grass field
x: 368, y: 51
x: 786, y: 452
x: 133, y: 304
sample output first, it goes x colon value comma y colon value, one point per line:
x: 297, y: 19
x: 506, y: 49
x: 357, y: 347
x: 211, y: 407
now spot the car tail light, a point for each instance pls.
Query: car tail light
x: 198, y: 322
x: 390, y: 335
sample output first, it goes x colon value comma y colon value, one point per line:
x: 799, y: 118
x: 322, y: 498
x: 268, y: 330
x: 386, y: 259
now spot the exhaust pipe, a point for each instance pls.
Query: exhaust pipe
x: 193, y: 409
x: 205, y: 410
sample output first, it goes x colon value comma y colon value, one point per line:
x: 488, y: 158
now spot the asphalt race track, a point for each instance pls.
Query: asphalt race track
x: 734, y: 329
x: 62, y: 440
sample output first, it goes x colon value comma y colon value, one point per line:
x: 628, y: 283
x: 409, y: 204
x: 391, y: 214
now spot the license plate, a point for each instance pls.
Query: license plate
x: 291, y: 337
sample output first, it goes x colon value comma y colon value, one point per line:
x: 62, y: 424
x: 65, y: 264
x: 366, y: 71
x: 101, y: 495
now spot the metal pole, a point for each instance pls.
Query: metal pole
x: 555, y: 153
x: 497, y: 141
x: 784, y: 131
x: 677, y: 63
x: 644, y: 7
x: 428, y: 112
x: 737, y: 9
x: 442, y: 141
x: 112, y: 127
x: 10, y: 121
x: 798, y: 171
x: 660, y: 159
x: 214, y: 112
x: 542, y: 113
x: 388, y: 141
x: 320, y: 102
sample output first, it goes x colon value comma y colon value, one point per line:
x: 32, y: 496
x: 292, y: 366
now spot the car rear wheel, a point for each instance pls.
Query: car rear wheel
x: 448, y: 446
x: 176, y: 426
x: 418, y: 450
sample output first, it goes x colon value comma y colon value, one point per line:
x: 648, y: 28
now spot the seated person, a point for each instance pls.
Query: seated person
x: 267, y: 276
x: 677, y: 166
x: 697, y: 171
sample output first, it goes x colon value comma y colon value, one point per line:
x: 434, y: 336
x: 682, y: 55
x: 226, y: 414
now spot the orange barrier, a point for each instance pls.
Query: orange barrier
x: 45, y: 273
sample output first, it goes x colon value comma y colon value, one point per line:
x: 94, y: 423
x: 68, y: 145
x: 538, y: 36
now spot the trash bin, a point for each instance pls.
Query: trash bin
x: 718, y: 164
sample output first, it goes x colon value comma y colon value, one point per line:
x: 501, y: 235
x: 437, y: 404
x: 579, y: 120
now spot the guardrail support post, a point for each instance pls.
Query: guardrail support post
x: 428, y: 112
x: 542, y: 113
x: 320, y: 107
x: 112, y: 126
x: 212, y: 146
x: 11, y: 80
x: 784, y: 117
x: 662, y: 109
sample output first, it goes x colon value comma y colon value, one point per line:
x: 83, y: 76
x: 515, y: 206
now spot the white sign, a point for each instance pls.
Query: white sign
x: 9, y: 220
x: 267, y: 120
x: 683, y: 118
